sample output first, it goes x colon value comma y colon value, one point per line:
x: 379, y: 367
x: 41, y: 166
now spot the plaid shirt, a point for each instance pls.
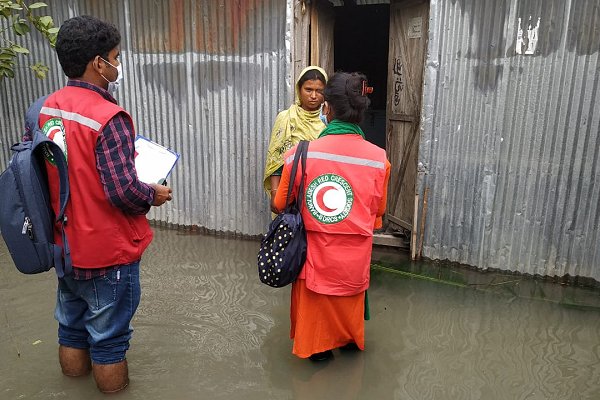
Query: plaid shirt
x: 116, y: 169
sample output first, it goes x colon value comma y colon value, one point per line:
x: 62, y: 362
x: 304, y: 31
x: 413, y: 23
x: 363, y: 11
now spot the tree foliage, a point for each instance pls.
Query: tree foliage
x: 17, y: 18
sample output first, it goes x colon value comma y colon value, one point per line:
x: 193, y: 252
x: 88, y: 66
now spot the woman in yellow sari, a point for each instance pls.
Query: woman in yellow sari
x: 299, y: 122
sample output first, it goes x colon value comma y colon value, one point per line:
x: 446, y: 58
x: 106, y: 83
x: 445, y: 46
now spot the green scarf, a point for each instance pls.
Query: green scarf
x: 337, y: 127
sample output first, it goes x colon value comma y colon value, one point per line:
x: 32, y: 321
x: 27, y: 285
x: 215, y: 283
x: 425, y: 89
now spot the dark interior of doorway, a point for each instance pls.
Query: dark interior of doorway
x: 361, y: 36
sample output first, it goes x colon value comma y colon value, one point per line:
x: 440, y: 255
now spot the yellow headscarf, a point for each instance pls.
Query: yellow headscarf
x: 290, y: 127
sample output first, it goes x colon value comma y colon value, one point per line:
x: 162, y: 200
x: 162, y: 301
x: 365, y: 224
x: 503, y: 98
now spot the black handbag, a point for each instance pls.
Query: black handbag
x: 283, y: 249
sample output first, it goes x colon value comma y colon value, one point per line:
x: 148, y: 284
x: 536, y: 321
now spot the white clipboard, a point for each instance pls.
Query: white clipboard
x: 153, y: 162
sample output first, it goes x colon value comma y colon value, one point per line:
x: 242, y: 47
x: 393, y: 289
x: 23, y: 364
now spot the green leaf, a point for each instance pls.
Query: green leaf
x: 6, y: 64
x: 53, y: 31
x: 18, y: 49
x: 8, y: 50
x: 39, y: 70
x: 21, y: 28
x: 6, y: 57
x: 37, y: 5
x: 46, y: 21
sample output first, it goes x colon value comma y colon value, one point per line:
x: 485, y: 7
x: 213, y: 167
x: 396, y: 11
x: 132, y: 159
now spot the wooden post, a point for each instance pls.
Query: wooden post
x: 413, y: 235
x: 422, y: 228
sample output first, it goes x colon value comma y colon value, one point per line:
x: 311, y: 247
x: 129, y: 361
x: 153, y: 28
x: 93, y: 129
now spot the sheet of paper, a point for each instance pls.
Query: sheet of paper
x: 153, y: 162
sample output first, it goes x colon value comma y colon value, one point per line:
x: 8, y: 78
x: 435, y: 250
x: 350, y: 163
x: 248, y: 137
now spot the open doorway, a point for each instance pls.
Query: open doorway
x: 360, y: 43
x: 386, y: 40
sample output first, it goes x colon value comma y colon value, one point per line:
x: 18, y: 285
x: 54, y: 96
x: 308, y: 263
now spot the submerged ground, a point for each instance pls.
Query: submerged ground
x: 208, y: 329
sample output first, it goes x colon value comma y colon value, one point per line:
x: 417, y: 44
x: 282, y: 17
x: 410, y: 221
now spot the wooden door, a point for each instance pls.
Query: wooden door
x: 313, y: 36
x: 407, y: 50
x: 321, y: 35
x: 301, y: 44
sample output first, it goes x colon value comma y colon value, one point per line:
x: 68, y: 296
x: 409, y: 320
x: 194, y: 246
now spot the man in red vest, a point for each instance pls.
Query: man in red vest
x: 107, y: 227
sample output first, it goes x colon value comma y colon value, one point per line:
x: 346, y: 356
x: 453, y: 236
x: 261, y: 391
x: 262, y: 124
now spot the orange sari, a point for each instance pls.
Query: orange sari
x: 321, y: 322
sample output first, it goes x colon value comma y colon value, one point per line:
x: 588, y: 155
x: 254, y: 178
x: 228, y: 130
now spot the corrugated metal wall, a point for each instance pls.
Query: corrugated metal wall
x: 510, y: 141
x: 510, y: 144
x: 205, y: 78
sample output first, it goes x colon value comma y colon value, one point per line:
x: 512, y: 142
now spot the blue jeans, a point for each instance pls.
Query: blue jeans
x: 95, y: 314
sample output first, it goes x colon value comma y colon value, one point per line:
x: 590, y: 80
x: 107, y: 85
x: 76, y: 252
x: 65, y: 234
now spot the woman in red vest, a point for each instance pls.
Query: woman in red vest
x: 346, y: 189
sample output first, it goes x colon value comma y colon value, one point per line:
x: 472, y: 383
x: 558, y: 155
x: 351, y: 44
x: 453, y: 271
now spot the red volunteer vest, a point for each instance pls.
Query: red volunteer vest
x: 345, y: 175
x: 100, y: 234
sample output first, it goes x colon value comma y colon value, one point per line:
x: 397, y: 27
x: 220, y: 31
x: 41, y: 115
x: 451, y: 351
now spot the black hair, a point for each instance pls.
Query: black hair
x: 344, y: 94
x: 80, y: 39
x: 311, y: 75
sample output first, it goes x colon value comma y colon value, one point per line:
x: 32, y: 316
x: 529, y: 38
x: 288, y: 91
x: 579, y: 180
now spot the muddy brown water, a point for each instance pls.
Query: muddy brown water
x: 208, y: 329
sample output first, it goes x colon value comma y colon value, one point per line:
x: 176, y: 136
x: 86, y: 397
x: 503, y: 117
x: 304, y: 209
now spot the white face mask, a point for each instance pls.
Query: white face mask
x: 113, y: 86
x: 323, y: 117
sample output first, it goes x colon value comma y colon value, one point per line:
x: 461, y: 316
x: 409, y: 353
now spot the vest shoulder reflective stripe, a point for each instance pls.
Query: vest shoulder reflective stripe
x: 71, y: 116
x: 318, y: 155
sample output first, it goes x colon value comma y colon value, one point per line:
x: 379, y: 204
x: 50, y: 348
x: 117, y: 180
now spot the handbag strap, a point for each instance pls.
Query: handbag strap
x: 299, y: 155
x: 303, y: 155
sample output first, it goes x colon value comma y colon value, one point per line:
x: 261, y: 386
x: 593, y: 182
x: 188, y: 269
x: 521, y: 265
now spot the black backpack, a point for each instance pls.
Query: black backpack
x: 26, y: 215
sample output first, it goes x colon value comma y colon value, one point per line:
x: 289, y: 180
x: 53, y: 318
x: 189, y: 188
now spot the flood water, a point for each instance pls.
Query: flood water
x: 208, y: 329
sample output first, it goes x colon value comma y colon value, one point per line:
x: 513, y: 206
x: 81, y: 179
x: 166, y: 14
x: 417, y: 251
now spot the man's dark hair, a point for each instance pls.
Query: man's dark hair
x: 311, y: 75
x: 80, y: 39
x: 344, y: 94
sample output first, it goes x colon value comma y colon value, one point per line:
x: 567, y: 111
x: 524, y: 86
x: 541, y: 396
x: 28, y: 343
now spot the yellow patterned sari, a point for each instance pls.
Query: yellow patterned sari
x: 290, y: 127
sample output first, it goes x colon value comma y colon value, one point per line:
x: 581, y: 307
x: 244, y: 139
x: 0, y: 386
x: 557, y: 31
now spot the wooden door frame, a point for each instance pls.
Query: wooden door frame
x: 305, y: 51
x: 300, y: 35
x: 408, y: 117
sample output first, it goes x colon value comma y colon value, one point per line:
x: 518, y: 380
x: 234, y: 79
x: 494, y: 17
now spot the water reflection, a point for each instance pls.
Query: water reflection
x: 207, y: 328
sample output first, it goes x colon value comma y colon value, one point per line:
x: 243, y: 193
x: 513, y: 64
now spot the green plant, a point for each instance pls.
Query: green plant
x: 18, y: 17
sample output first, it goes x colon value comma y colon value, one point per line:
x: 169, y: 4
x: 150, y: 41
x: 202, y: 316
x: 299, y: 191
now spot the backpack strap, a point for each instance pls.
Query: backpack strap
x: 62, y: 257
x: 32, y: 116
x: 61, y: 164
